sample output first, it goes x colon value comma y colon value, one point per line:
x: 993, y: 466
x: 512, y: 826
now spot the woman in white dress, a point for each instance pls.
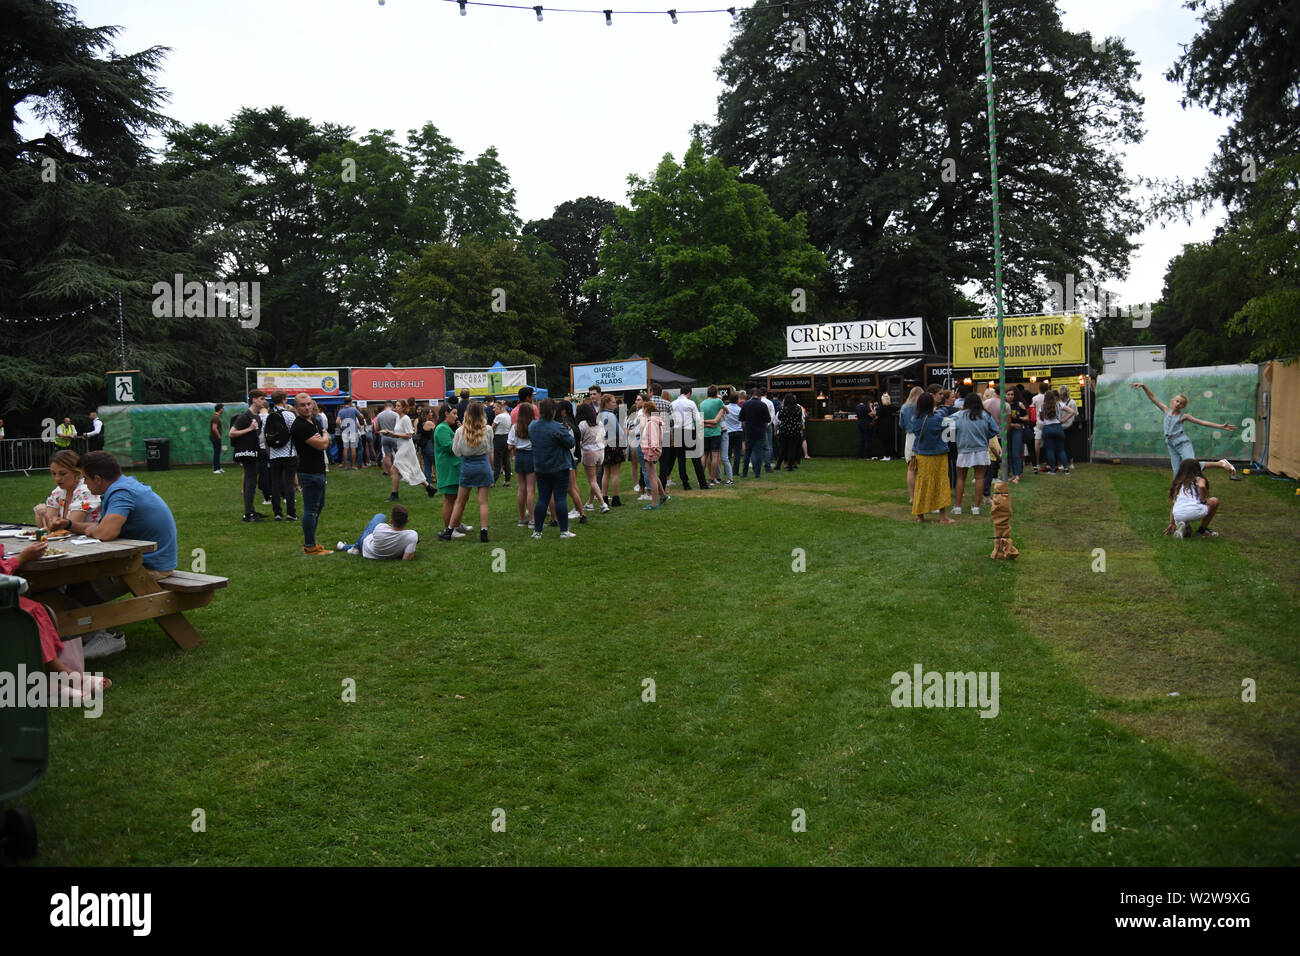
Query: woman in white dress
x: 406, y: 463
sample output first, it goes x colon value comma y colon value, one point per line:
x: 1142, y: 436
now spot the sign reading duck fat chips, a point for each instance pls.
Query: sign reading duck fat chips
x: 1029, y: 340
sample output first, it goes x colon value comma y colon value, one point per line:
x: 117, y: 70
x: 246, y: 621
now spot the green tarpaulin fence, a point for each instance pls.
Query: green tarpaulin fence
x: 127, y: 426
x: 1130, y: 428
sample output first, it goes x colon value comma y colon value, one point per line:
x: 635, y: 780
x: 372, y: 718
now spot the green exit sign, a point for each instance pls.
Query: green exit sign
x: 123, y: 388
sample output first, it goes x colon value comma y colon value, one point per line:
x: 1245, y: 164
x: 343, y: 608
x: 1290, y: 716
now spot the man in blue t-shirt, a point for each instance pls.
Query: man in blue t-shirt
x: 349, y: 422
x: 129, y: 509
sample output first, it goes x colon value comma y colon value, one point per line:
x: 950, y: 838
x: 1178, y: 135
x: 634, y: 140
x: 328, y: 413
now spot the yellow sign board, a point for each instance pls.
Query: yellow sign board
x: 1036, y: 340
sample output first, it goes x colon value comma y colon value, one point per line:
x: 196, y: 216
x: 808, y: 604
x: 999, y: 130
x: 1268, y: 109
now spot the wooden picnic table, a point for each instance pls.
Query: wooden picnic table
x: 90, y: 560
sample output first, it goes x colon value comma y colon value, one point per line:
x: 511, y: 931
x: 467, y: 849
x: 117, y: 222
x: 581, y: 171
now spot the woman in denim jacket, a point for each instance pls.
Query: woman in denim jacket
x: 932, y: 491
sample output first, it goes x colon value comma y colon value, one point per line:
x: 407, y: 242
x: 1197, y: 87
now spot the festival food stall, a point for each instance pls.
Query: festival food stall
x: 830, y: 368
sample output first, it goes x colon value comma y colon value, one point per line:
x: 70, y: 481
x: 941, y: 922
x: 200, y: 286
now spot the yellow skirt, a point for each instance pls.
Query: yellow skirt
x: 932, y: 491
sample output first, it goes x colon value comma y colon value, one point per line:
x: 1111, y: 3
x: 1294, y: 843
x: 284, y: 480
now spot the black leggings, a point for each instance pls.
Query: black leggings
x: 501, y: 451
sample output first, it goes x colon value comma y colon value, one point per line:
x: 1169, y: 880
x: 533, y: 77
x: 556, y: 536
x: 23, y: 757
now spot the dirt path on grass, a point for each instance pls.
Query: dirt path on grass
x: 1123, y: 631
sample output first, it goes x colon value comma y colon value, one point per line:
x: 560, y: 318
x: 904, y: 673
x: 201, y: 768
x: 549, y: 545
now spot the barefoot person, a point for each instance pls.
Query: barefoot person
x: 1190, y: 502
x: 78, y: 683
x: 1179, y: 445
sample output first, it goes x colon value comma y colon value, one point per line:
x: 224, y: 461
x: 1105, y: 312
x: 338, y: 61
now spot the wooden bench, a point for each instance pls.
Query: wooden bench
x: 190, y: 583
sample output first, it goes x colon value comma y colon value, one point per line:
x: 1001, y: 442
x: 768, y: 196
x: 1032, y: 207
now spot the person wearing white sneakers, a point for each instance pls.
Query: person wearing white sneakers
x: 553, y: 459
x: 1190, y: 499
x: 974, y: 427
x: 214, y: 436
x: 1176, y: 440
x: 591, y: 436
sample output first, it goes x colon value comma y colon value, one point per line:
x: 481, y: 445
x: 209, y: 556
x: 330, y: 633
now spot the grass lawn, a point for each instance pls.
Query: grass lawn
x: 522, y: 689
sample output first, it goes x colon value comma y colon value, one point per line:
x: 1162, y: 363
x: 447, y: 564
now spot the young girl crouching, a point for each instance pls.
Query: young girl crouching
x: 1190, y: 502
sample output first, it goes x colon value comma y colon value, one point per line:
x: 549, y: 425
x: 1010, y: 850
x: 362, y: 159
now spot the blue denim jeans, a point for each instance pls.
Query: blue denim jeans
x: 313, y: 503
x: 375, y: 522
x: 552, y: 485
x: 1016, y: 449
x: 767, y: 437
x: 726, y: 457
x: 1054, y: 446
x: 755, y: 450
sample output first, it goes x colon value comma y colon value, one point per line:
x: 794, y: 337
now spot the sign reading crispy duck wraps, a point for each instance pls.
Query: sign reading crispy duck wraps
x: 313, y: 381
x: 624, y: 375
x: 1032, y: 341
x: 381, y: 384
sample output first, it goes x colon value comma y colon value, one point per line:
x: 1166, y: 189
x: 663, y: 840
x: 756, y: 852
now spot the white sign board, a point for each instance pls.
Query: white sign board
x: 853, y: 338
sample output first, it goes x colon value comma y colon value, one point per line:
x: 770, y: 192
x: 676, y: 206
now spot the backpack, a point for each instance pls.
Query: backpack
x: 277, y: 432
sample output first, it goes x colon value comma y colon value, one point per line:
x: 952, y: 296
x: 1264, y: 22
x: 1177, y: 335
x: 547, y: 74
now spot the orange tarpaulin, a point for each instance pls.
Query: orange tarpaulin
x: 1282, y: 386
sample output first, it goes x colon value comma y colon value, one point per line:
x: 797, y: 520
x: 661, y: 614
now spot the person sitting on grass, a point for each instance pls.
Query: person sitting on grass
x: 1188, y: 495
x: 70, y: 499
x: 385, y: 539
x: 77, y: 683
x: 1176, y: 440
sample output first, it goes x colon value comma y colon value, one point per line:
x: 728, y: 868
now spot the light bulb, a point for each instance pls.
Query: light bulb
x: 539, y: 14
x: 609, y: 18
x: 673, y: 14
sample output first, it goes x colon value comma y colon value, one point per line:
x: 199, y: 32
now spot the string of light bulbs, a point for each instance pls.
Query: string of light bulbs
x: 673, y: 14
x: 81, y: 310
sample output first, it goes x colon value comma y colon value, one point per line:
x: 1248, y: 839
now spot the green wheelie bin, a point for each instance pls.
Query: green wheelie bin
x: 24, y: 731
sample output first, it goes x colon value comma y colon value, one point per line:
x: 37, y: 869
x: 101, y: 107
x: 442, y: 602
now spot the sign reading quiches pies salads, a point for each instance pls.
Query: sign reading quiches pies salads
x: 622, y: 375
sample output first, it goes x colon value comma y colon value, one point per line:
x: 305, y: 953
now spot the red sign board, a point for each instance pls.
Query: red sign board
x: 381, y: 384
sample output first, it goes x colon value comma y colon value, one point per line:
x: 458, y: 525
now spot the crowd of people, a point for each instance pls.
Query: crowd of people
x: 564, y: 457
x: 566, y: 460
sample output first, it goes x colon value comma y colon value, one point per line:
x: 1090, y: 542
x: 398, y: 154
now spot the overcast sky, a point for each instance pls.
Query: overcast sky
x: 572, y: 106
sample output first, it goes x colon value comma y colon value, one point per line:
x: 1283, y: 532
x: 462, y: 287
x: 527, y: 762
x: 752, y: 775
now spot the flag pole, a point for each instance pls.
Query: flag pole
x: 997, y: 241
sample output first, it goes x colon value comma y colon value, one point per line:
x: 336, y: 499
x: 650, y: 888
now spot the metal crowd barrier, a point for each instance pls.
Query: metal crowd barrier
x: 32, y: 454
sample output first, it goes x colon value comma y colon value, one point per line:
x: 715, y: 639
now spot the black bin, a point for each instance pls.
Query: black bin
x: 158, y: 453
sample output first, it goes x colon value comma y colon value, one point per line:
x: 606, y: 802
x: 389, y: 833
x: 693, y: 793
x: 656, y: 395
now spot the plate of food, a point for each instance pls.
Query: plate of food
x: 61, y: 533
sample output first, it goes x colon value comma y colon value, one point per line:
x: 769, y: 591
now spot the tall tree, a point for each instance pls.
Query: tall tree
x: 474, y: 303
x: 87, y: 213
x: 871, y: 119
x: 1244, y: 64
x: 572, y: 235
x: 708, y: 275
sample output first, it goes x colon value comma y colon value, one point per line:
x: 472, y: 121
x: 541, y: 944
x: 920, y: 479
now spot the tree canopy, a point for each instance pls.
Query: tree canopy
x: 872, y: 120
x: 705, y: 279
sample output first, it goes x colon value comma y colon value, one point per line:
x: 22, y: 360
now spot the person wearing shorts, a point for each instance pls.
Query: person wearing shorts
x: 1176, y: 439
x: 614, y: 456
x: 473, y: 445
x: 1190, y: 499
x: 521, y: 445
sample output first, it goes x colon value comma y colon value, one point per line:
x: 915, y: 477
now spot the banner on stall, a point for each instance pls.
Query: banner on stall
x: 381, y: 384
x: 313, y: 381
x: 490, y: 382
x: 623, y: 375
x: 1030, y: 340
x: 854, y: 338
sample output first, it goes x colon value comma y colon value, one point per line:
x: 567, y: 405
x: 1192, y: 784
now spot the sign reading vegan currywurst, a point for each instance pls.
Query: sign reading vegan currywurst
x: 1030, y: 341
x: 381, y: 384
x: 853, y: 338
